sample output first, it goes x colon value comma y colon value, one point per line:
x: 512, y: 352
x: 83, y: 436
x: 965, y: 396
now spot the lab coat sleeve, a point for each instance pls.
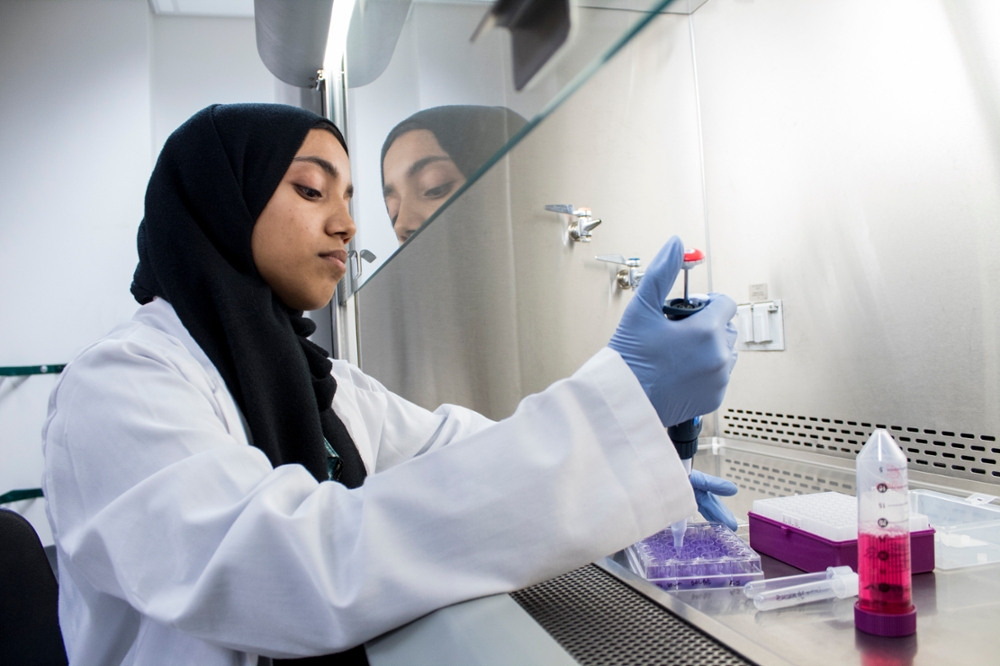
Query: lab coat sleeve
x: 156, y: 503
x: 388, y: 429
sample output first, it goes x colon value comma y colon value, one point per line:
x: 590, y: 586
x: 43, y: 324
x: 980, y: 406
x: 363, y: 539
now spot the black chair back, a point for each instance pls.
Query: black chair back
x: 29, y: 612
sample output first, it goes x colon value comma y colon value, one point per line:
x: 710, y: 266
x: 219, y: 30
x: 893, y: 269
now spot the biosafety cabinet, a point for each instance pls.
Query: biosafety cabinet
x: 838, y: 163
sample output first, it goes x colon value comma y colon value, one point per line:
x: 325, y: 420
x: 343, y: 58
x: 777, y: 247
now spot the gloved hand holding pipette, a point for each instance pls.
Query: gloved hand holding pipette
x: 683, y: 363
x: 683, y: 366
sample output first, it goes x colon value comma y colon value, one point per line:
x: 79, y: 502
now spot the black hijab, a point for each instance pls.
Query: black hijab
x: 469, y: 134
x: 212, y: 180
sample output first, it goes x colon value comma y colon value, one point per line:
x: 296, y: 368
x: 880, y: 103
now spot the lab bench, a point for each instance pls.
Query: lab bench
x: 605, y: 614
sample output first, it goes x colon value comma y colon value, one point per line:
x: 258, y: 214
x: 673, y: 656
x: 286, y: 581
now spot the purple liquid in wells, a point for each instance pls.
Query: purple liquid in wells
x: 711, y: 556
x: 884, y: 573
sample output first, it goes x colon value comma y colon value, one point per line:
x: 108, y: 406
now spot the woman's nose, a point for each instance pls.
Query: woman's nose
x: 340, y: 222
x: 409, y: 219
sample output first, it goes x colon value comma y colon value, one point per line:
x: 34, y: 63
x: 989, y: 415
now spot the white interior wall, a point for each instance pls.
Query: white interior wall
x: 852, y: 163
x: 197, y: 61
x: 91, y: 89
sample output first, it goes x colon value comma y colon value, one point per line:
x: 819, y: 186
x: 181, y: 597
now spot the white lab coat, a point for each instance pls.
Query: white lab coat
x: 179, y: 543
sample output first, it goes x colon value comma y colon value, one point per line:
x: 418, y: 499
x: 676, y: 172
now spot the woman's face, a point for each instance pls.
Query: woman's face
x: 419, y: 177
x: 299, y: 242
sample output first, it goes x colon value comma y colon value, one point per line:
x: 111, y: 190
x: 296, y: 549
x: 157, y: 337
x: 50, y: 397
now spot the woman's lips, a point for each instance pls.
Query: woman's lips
x: 338, y: 257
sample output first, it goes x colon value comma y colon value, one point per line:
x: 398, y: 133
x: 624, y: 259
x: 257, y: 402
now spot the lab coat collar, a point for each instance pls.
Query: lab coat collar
x: 160, y: 314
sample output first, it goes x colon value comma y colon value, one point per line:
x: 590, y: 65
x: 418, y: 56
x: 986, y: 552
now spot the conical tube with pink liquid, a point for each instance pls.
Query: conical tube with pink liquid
x: 885, y: 605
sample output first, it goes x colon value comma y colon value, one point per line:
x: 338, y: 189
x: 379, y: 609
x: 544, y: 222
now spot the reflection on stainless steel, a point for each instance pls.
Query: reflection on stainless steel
x: 438, y: 323
x: 902, y: 651
x: 833, y: 610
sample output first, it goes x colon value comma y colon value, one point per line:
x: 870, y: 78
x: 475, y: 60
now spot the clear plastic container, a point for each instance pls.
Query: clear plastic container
x: 712, y: 557
x: 967, y: 530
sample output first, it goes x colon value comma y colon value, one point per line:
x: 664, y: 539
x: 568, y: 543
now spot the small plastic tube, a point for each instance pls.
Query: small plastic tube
x: 755, y: 587
x: 839, y: 587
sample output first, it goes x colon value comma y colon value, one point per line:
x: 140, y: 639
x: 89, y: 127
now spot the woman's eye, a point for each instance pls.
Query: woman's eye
x: 439, y: 191
x: 308, y: 192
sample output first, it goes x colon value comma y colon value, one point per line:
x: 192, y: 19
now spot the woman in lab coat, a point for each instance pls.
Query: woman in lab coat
x: 210, y: 506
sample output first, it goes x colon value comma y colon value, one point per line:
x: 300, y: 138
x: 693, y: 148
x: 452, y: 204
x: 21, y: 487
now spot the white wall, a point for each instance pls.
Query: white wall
x: 852, y: 161
x: 74, y: 158
x: 852, y: 155
x: 201, y: 61
x: 91, y: 89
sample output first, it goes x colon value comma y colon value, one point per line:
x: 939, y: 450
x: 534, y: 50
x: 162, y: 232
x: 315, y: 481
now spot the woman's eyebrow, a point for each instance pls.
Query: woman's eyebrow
x: 420, y: 164
x: 321, y: 163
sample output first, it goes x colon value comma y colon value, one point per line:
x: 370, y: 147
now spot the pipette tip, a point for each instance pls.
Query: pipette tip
x: 678, y: 529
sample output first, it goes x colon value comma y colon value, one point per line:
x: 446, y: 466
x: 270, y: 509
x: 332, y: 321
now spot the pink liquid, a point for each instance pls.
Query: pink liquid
x: 884, y: 573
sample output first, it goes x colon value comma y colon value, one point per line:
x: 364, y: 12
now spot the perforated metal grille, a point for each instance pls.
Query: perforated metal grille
x: 755, y: 474
x: 602, y: 622
x: 960, y: 454
x: 766, y: 476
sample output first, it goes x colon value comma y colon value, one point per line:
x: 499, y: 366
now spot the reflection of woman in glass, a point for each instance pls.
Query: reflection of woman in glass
x: 428, y: 156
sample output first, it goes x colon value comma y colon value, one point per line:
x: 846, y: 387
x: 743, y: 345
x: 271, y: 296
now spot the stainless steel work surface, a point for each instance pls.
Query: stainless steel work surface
x: 482, y: 632
x: 958, y: 612
x: 957, y: 622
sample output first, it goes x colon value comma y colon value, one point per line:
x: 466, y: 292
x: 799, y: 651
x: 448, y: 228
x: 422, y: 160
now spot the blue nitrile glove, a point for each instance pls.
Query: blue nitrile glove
x: 683, y: 366
x: 706, y: 488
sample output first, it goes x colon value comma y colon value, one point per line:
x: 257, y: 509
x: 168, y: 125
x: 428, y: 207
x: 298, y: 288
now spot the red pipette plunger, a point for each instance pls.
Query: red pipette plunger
x: 679, y: 308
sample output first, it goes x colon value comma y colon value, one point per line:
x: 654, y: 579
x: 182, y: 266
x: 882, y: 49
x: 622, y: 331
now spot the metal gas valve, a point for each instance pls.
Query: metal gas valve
x: 628, y: 277
x: 354, y: 259
x: 581, y: 224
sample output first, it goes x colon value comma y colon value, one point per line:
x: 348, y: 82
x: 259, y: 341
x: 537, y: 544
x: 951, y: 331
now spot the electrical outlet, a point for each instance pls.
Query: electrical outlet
x: 761, y: 326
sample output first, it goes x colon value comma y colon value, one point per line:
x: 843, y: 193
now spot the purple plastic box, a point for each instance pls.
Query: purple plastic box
x: 811, y: 553
x: 712, y: 556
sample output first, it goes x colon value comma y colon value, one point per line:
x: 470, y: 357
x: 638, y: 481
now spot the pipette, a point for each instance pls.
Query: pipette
x: 685, y: 439
x: 885, y: 605
x: 685, y: 435
x: 839, y: 582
